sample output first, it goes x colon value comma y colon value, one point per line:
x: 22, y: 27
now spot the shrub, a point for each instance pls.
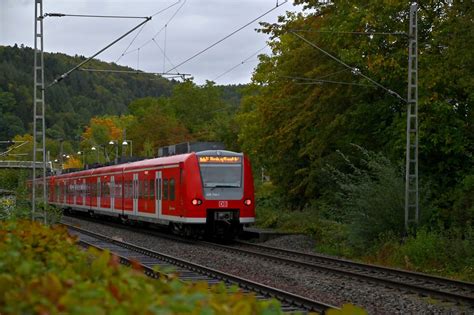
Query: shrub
x: 43, y: 272
x: 371, y: 195
x: 445, y: 253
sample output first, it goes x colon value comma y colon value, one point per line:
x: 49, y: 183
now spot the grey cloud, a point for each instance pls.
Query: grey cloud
x: 197, y: 25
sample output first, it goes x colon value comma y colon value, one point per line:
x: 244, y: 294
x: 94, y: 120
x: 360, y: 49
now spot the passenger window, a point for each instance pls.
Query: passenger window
x: 152, y: 189
x: 158, y: 189
x: 165, y: 189
x: 172, y: 187
x: 146, y: 192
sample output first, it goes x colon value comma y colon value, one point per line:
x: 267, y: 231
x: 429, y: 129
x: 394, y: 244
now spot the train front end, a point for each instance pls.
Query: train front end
x: 227, y: 192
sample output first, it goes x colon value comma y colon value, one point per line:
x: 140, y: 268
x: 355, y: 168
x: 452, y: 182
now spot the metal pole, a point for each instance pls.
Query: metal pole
x: 411, y: 169
x: 39, y: 125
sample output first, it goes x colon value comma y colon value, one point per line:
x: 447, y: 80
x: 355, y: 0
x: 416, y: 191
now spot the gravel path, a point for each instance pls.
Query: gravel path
x: 320, y: 286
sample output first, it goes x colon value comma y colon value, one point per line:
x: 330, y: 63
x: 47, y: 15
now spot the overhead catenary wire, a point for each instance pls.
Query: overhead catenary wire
x: 312, y: 79
x: 353, y: 69
x: 318, y: 81
x: 64, y: 75
x: 13, y: 148
x: 130, y: 44
x: 240, y: 63
x: 126, y: 52
x: 227, y: 36
x: 161, y: 29
x: 164, y: 49
x: 168, y: 7
x: 171, y: 63
x: 352, y: 33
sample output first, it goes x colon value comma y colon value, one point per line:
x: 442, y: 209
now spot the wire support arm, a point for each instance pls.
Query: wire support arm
x: 134, y: 72
x: 52, y: 14
x: 64, y: 75
x: 354, y: 70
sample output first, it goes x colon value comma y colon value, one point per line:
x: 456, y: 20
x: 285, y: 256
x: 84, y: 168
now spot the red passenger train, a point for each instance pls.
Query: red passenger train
x: 209, y: 192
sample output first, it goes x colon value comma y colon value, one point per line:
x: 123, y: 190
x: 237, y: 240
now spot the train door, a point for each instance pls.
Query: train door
x: 83, y: 191
x: 135, y: 194
x: 74, y: 191
x: 64, y: 192
x: 158, y: 193
x: 112, y: 193
x: 98, y: 192
x: 171, y: 193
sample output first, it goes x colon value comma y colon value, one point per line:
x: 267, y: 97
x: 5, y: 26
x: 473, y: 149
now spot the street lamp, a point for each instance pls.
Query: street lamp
x: 115, y: 143
x: 95, y: 149
x: 125, y: 143
x: 83, y: 158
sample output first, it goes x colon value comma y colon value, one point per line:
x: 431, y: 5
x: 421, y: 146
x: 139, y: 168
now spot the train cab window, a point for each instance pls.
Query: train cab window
x: 152, y: 189
x: 172, y: 189
x: 165, y: 189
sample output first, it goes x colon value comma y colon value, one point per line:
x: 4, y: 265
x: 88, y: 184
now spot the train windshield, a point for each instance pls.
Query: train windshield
x: 221, y: 175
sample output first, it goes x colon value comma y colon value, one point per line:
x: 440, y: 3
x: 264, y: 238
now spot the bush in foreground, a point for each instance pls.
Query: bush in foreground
x: 42, y: 271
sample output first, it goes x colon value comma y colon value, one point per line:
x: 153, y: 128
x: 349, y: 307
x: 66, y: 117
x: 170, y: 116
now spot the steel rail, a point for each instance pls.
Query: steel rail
x: 366, y: 272
x: 269, y: 292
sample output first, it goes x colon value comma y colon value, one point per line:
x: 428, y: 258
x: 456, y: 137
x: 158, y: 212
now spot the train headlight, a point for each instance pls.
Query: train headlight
x: 247, y: 202
x: 196, y: 202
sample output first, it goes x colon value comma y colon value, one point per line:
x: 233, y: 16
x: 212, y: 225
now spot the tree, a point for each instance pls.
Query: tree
x: 293, y: 126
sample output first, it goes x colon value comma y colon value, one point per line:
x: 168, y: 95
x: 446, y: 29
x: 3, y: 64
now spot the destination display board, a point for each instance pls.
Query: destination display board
x: 220, y: 159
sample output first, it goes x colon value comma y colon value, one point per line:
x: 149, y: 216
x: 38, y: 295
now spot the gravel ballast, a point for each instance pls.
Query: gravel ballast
x: 321, y: 286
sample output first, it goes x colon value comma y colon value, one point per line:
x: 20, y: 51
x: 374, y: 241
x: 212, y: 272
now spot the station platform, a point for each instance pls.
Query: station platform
x: 260, y: 235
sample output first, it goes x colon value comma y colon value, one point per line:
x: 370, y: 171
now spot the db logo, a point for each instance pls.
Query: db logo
x: 223, y: 204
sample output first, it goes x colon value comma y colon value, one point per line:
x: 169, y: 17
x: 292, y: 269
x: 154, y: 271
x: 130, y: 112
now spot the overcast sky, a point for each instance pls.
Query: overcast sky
x: 196, y: 25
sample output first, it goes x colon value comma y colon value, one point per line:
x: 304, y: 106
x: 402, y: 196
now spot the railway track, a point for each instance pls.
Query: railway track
x: 188, y: 271
x: 443, y: 289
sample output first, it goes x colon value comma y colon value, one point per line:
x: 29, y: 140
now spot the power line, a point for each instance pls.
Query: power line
x: 353, y: 69
x: 353, y: 33
x: 312, y: 79
x: 229, y: 35
x: 240, y: 63
x: 168, y: 7
x: 130, y: 44
x: 64, y: 75
x: 171, y: 63
x: 311, y: 82
x: 125, y: 52
x: 161, y: 29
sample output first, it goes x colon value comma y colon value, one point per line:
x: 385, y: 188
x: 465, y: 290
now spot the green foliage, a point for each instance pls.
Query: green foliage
x: 293, y: 128
x: 371, y: 197
x: 154, y: 125
x: 72, y: 103
x: 348, y: 309
x: 446, y: 253
x: 42, y: 271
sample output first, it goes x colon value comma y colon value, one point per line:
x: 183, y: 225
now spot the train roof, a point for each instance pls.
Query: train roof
x: 168, y: 160
x: 148, y: 163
